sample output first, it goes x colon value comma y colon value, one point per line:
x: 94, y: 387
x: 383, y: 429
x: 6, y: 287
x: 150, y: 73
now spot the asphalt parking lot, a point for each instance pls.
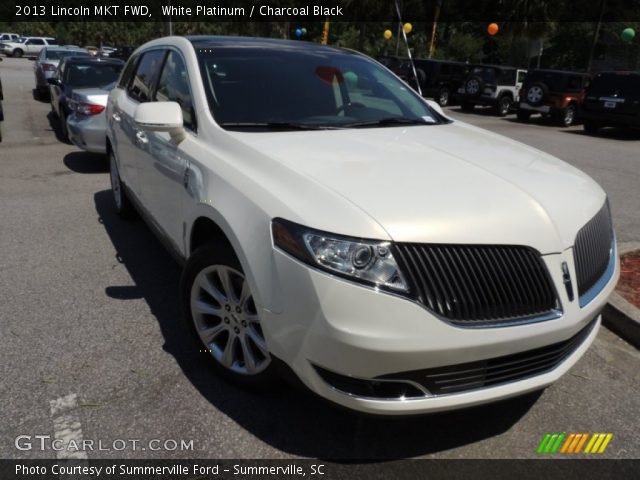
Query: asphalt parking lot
x: 91, y: 322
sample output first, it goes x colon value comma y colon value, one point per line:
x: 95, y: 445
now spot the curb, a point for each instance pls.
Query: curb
x: 620, y: 316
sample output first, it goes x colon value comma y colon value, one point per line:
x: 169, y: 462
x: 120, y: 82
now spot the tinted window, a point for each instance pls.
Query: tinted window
x: 487, y: 74
x: 52, y: 41
x: 127, y: 74
x: 35, y: 41
x: 91, y: 75
x: 173, y: 86
x: 622, y: 84
x: 315, y: 88
x: 145, y: 76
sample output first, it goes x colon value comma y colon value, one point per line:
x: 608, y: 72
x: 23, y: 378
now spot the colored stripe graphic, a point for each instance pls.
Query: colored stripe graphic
x: 572, y: 443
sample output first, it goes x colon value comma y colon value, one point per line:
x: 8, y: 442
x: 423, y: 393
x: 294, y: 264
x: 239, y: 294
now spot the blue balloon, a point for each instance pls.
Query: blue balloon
x: 298, y: 32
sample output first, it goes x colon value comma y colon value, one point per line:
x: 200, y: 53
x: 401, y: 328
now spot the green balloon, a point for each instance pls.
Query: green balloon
x: 628, y: 34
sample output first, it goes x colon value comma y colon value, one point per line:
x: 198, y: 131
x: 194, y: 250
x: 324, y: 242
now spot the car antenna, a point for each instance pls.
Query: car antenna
x: 404, y: 35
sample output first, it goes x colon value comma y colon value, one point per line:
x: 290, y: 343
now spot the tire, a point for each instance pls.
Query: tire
x: 503, y: 106
x: 17, y: 53
x: 473, y: 86
x: 536, y: 94
x: 590, y: 127
x: 567, y: 116
x: 221, y: 314
x: 123, y: 206
x: 467, y: 106
x: 63, y: 125
x: 523, y: 115
x: 443, y: 97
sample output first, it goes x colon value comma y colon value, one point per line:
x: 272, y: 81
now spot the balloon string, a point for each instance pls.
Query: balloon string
x: 404, y: 35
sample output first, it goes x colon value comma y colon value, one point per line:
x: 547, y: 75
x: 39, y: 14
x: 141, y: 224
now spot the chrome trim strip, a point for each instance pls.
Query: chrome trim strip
x: 426, y: 393
x: 593, y: 292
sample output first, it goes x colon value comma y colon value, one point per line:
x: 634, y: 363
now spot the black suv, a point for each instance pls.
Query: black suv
x: 556, y: 93
x: 438, y: 79
x: 612, y: 99
x: 392, y: 62
x: 494, y: 85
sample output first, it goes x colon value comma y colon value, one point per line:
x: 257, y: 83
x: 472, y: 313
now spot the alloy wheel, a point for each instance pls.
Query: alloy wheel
x: 227, y: 321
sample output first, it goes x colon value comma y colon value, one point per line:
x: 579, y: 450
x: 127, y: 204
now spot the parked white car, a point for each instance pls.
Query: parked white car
x: 30, y: 47
x: 335, y: 224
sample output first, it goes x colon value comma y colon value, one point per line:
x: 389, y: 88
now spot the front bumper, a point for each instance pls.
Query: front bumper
x: 88, y: 133
x: 359, y: 332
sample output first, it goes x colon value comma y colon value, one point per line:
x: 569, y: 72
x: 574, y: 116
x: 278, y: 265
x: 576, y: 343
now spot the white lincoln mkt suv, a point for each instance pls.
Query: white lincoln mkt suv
x: 335, y: 224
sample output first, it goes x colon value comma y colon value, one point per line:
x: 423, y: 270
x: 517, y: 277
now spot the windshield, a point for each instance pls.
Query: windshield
x: 91, y: 75
x: 621, y: 84
x: 248, y: 87
x: 59, y: 54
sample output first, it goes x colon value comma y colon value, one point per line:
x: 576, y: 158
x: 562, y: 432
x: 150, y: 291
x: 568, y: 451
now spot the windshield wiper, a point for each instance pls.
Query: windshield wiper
x: 390, y: 121
x: 278, y: 126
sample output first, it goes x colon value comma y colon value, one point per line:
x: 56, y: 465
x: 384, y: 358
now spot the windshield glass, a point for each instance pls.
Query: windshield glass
x: 59, y: 54
x: 622, y: 84
x: 249, y: 87
x: 91, y: 75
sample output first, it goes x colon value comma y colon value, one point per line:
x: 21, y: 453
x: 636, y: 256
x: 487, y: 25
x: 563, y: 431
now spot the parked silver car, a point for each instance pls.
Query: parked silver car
x: 47, y: 62
x: 87, y: 124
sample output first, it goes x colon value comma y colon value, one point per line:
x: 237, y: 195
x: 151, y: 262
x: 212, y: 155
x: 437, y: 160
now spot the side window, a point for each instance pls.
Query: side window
x: 521, y: 76
x: 127, y: 73
x: 173, y: 86
x: 145, y: 76
x: 35, y: 41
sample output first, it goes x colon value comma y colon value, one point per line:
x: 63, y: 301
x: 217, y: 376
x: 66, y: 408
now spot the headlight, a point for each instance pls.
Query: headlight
x: 366, y: 261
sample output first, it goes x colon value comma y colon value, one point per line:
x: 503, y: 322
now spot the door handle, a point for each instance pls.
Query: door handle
x: 141, y: 137
x: 116, y: 117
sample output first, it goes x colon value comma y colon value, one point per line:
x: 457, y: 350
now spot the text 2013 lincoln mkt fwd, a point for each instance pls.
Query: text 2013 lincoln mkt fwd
x: 335, y: 224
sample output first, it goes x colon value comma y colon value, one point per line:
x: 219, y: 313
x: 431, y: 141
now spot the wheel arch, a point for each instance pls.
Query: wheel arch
x: 255, y: 253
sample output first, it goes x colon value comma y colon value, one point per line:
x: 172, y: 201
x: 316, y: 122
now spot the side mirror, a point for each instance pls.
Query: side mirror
x: 160, y: 117
x: 436, y: 107
x: 53, y: 81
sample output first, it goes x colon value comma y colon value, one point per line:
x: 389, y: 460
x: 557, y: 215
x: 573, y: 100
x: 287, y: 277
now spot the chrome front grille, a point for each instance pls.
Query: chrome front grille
x: 479, y: 285
x: 593, y: 249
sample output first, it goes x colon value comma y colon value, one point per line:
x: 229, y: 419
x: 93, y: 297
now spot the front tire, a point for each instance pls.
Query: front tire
x: 120, y: 199
x: 221, y: 313
x: 567, y: 116
x: 63, y: 125
x: 503, y: 106
x: 443, y: 97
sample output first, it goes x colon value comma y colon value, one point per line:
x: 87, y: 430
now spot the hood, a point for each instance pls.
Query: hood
x: 450, y: 183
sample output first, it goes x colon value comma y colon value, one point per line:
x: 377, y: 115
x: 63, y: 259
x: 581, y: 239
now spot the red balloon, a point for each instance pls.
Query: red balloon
x: 492, y: 29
